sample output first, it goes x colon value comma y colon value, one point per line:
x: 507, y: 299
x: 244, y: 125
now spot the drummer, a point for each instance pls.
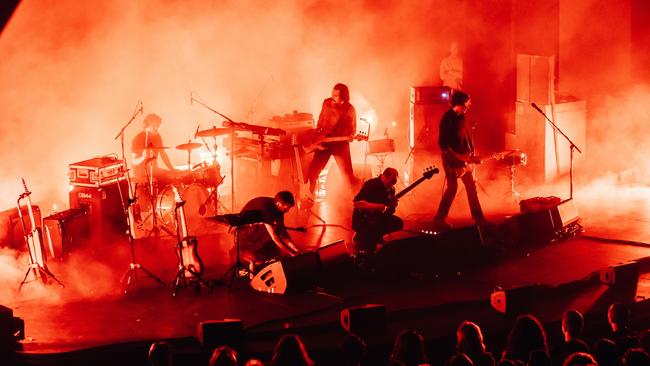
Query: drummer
x: 146, y: 146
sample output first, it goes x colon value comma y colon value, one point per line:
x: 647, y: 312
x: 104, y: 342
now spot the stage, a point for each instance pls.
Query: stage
x: 91, y: 319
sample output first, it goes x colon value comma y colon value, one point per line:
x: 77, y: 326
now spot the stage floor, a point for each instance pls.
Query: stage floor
x: 91, y: 310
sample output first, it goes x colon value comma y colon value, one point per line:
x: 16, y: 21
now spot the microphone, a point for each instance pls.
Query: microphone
x: 536, y: 107
x: 197, y: 130
x: 141, y: 111
x: 386, y: 132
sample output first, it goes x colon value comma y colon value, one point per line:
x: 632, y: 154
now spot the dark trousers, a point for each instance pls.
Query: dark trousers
x: 341, y: 153
x: 450, y: 193
x: 373, y: 228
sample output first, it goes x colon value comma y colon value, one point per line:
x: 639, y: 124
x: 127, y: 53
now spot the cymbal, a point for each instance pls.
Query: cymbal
x: 189, y: 146
x: 213, y: 132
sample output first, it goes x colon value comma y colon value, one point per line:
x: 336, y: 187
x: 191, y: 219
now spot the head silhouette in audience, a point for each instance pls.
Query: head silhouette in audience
x: 353, y: 350
x: 572, y: 324
x: 469, y: 340
x: 409, y: 348
x: 636, y: 357
x: 526, y: 335
x: 618, y: 316
x: 580, y: 359
x: 290, y: 351
x: 160, y: 354
x: 223, y: 356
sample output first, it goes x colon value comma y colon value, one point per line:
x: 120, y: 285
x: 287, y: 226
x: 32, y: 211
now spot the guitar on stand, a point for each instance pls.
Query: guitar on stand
x: 190, y: 266
x: 34, y: 241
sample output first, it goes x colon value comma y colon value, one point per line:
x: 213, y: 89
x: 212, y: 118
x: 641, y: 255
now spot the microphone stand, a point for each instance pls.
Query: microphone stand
x: 571, y: 147
x: 232, y: 127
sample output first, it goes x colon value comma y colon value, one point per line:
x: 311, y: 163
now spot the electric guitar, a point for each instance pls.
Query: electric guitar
x: 470, y: 160
x: 317, y: 143
x: 366, y: 217
x: 305, y: 196
x: 34, y: 238
x: 188, y: 251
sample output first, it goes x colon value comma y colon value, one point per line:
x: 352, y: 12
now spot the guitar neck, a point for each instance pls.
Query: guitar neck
x: 409, y: 188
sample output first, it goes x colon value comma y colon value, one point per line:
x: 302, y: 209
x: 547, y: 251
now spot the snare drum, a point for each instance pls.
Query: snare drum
x: 197, y: 205
x: 209, y: 175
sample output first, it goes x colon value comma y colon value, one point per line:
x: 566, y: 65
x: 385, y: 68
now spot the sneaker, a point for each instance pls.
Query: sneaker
x: 441, y: 225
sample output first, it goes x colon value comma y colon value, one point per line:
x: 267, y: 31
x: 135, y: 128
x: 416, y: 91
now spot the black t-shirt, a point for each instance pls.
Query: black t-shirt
x: 374, y: 191
x: 255, y: 236
x: 453, y: 133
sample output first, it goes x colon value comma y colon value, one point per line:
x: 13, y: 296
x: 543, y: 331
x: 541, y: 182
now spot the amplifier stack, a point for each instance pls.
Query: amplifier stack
x: 100, y: 188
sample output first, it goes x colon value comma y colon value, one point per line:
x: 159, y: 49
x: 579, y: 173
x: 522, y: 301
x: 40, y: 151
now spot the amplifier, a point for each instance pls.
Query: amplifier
x: 65, y: 231
x: 104, y: 206
x: 96, y: 172
x: 11, y: 230
x: 430, y: 95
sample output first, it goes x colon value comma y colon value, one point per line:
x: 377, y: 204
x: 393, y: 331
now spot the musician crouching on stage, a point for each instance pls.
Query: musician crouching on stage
x: 373, y: 212
x: 269, y: 240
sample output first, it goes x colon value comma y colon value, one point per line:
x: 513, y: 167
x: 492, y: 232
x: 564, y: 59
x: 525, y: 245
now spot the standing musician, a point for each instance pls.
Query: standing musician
x: 457, y: 152
x: 337, y: 119
x: 145, y: 148
x: 373, y: 211
x: 267, y: 240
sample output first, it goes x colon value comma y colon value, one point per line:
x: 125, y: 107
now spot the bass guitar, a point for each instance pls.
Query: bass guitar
x: 188, y: 246
x: 317, y: 143
x: 362, y: 217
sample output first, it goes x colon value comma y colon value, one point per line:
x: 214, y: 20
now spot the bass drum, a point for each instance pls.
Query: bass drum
x: 198, y: 206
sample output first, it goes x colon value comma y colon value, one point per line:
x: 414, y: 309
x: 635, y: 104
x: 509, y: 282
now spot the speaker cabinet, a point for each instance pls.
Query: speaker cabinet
x: 104, y: 206
x: 303, y: 271
x: 12, y: 234
x: 65, y: 231
x: 216, y: 333
x: 548, y: 152
x: 535, y: 78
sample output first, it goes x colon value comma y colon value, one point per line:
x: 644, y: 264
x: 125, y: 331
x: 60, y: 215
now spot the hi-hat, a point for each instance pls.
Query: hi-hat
x: 189, y: 146
x: 213, y: 132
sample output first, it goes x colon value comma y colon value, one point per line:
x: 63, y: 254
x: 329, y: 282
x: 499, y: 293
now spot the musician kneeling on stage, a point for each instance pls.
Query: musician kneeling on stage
x: 269, y: 239
x: 373, y: 212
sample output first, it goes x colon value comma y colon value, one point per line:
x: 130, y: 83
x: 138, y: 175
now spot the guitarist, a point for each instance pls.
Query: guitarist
x: 373, y: 212
x: 457, y: 152
x: 337, y: 118
x: 267, y: 240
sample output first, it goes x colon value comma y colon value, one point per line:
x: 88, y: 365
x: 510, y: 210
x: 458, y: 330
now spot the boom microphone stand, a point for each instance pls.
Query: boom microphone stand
x: 131, y: 273
x: 572, y: 147
x: 232, y: 127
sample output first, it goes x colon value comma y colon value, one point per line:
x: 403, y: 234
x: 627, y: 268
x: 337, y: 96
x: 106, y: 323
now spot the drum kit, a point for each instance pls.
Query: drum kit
x: 198, y: 185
